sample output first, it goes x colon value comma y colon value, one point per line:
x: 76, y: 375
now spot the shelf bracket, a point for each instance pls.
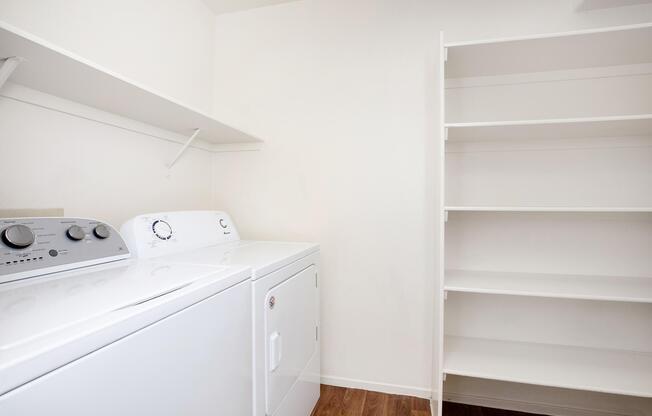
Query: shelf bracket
x: 443, y: 377
x: 7, y: 67
x: 445, y: 294
x: 445, y: 53
x: 446, y: 134
x: 445, y: 216
x: 183, y: 149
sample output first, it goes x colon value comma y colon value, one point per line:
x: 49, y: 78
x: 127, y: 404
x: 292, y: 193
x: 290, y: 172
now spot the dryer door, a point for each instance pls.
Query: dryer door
x: 291, y: 334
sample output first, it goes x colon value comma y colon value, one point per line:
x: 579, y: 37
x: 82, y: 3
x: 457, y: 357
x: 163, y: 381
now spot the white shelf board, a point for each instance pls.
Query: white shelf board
x: 606, y: 288
x: 546, y: 209
x: 606, y: 371
x: 612, y: 126
x: 611, y: 46
x: 55, y: 71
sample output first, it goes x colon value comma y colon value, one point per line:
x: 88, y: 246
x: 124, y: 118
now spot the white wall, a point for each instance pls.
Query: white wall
x: 345, y: 95
x: 55, y: 160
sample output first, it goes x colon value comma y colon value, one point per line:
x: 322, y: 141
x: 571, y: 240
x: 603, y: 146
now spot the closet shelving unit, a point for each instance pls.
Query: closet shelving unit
x: 553, y: 364
x: 35, y: 63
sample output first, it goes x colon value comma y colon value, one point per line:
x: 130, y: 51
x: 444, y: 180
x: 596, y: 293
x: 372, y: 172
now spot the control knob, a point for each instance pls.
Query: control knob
x: 18, y: 236
x: 75, y: 233
x: 102, y: 231
x: 162, y: 229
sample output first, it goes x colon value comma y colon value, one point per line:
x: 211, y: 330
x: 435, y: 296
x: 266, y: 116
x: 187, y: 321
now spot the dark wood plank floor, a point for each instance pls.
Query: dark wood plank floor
x: 340, y: 401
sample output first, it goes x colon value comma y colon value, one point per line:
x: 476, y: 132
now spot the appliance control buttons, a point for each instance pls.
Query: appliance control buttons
x: 18, y: 236
x: 102, y: 231
x: 75, y: 233
x: 162, y: 229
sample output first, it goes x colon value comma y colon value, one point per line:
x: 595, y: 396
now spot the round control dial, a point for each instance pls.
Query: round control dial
x: 18, y: 236
x: 162, y: 229
x: 102, y: 231
x: 75, y: 233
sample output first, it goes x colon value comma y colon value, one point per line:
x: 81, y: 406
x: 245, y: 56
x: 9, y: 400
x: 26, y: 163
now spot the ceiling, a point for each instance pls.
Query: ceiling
x: 226, y: 6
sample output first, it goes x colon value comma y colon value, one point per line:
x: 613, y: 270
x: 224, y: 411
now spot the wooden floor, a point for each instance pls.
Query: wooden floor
x: 340, y: 401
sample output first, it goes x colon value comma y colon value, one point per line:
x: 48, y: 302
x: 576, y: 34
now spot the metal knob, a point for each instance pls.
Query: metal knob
x: 75, y: 233
x: 102, y: 232
x: 18, y: 236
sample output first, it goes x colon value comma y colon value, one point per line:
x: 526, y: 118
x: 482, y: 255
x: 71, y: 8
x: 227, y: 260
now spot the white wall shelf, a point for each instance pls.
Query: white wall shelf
x: 587, y: 88
x: 604, y: 288
x: 53, y: 70
x: 616, y: 126
x: 591, y: 369
x: 550, y: 52
x: 547, y: 209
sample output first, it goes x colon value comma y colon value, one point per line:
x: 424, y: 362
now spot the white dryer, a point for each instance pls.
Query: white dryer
x: 84, y: 330
x: 285, y: 293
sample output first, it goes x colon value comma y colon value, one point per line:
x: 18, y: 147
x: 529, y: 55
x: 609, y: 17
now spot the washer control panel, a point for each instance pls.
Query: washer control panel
x: 34, y: 246
x: 163, y: 233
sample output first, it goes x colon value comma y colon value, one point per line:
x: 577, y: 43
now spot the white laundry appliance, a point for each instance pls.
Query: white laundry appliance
x: 84, y: 330
x: 285, y: 293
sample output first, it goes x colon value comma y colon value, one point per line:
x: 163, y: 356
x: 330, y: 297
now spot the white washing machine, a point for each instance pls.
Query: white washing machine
x: 84, y: 330
x: 285, y: 297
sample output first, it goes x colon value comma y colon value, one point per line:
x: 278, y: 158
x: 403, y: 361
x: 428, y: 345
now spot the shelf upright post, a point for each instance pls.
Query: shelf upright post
x: 439, y: 338
x: 183, y: 149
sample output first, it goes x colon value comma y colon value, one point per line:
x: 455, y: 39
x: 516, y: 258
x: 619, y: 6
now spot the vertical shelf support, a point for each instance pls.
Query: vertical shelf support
x: 7, y: 67
x: 183, y: 149
x: 440, y: 377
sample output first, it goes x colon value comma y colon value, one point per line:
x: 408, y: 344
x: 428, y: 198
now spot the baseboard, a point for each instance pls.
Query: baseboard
x: 527, y: 407
x: 375, y: 386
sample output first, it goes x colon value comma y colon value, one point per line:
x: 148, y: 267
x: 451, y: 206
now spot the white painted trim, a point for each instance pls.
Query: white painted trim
x: 530, y: 407
x: 549, y: 35
x: 438, y: 385
x: 421, y: 392
x: 537, y: 122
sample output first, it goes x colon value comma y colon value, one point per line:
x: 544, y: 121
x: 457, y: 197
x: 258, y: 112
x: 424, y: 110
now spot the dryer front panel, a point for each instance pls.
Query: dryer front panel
x: 291, y: 334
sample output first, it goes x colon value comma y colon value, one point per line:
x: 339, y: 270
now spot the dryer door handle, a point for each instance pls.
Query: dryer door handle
x: 275, y: 351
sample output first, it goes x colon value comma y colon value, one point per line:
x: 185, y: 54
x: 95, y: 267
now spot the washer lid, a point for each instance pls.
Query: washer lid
x: 48, y: 314
x: 263, y: 257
